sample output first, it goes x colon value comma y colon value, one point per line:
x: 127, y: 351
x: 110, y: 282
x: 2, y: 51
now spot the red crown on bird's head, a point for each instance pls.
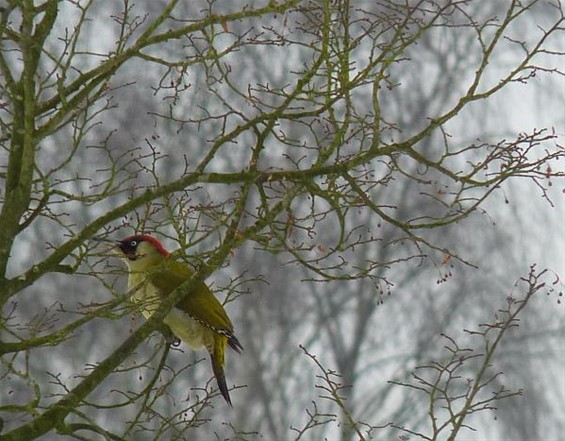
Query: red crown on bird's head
x: 150, y: 239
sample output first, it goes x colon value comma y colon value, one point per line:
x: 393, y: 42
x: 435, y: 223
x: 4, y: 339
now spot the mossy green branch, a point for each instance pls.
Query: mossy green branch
x: 21, y: 159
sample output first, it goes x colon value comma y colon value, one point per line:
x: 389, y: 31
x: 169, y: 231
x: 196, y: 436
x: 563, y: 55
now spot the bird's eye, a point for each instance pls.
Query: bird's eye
x: 133, y: 243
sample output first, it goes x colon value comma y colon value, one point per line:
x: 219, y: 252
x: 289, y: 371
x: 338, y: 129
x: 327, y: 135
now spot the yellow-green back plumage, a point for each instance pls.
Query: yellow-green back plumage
x: 200, y: 303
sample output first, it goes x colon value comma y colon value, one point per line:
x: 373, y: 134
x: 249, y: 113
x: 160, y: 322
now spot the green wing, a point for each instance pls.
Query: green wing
x: 200, y: 303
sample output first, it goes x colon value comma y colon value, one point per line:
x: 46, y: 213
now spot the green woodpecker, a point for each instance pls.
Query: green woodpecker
x: 198, y: 319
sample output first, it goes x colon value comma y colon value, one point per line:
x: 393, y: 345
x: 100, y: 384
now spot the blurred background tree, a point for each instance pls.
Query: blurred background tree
x: 346, y: 172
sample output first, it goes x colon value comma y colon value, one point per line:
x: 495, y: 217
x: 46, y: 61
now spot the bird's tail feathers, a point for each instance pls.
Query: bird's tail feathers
x: 234, y: 343
x: 217, y: 357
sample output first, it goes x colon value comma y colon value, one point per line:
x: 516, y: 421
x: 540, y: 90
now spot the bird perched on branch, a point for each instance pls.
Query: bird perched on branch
x: 198, y: 319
